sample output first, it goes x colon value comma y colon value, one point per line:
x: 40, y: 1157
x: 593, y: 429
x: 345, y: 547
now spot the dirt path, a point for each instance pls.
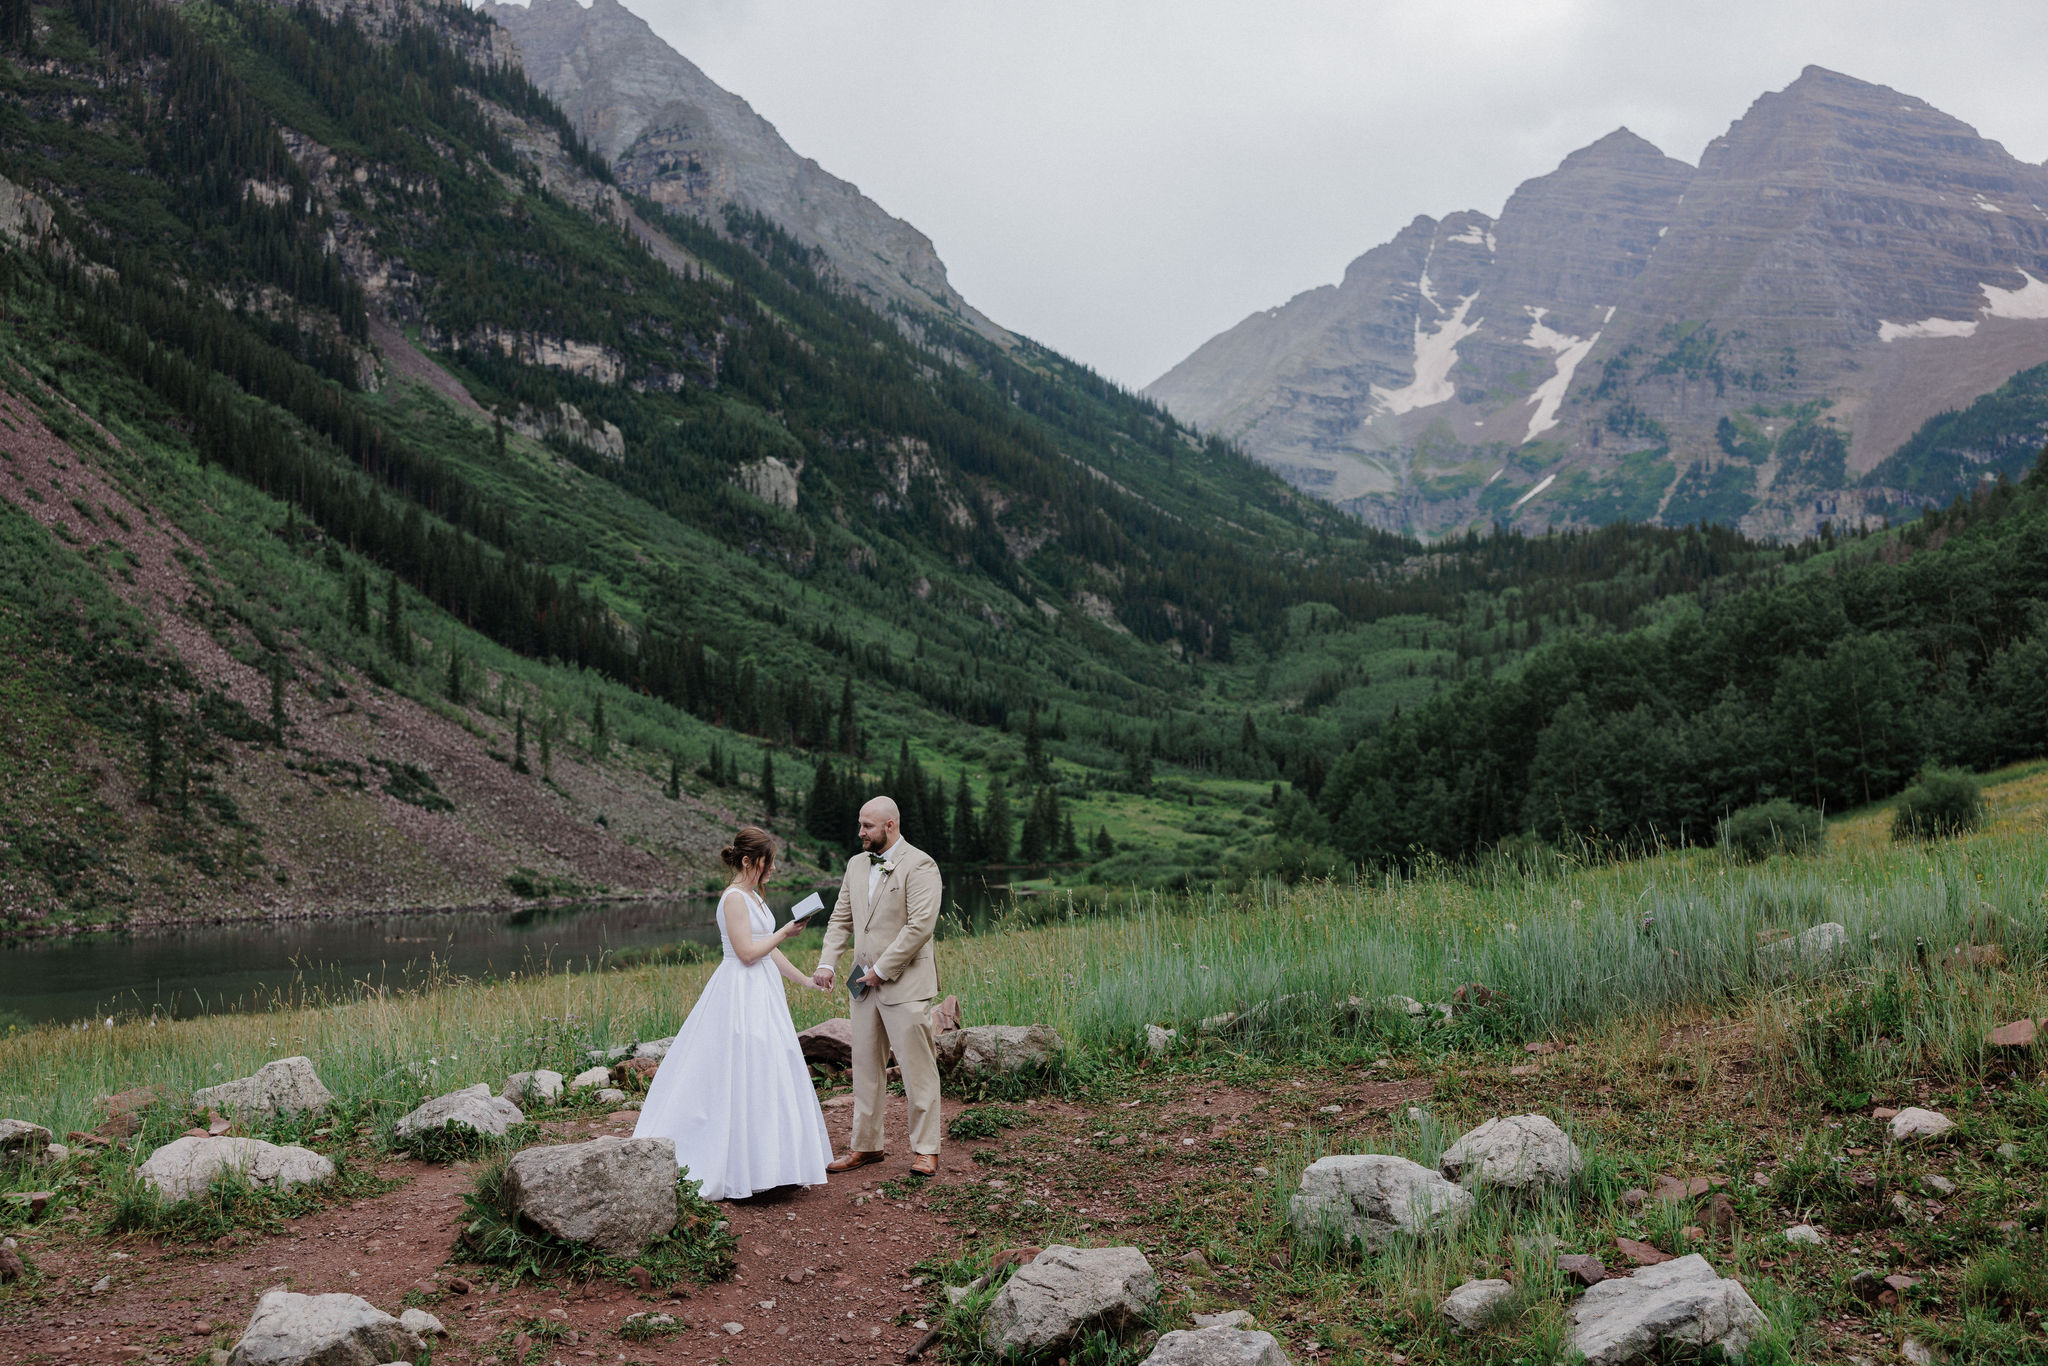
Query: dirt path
x: 823, y: 1276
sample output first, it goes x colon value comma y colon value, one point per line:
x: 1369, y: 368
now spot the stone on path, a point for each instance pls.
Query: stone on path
x: 420, y: 1322
x: 185, y: 1167
x: 1521, y: 1152
x: 1229, y: 1318
x: 1471, y: 1306
x: 1682, y: 1305
x: 2018, y: 1034
x: 616, y: 1194
x: 540, y: 1085
x: 1371, y: 1197
x: 322, y: 1330
x: 1642, y: 1254
x: 1584, y: 1268
x: 1805, y: 1234
x: 1939, y: 1186
x: 1914, y: 1123
x: 981, y: 1049
x: 21, y: 1140
x: 591, y: 1076
x: 1158, y: 1040
x: 287, y: 1086
x: 1217, y: 1346
x: 1066, y: 1291
x: 1811, y: 950
x: 829, y: 1042
x: 474, y: 1108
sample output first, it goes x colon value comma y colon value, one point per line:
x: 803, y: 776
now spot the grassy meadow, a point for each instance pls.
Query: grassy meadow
x: 1629, y: 1001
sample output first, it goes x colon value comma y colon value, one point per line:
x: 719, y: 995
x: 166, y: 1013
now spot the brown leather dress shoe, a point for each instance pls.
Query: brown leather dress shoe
x: 925, y: 1164
x: 852, y: 1160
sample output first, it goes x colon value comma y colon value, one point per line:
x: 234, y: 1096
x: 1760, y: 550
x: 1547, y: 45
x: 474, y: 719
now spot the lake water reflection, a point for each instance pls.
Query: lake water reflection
x: 213, y: 968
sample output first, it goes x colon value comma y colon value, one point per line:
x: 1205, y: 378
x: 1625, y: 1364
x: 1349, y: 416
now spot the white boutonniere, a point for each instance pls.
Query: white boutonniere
x: 887, y: 865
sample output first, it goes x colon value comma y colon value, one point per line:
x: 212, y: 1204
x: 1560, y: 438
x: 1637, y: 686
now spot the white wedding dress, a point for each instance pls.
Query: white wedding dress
x: 734, y: 1091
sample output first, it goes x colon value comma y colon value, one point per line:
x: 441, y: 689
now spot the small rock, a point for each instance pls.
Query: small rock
x: 1938, y: 1185
x: 2009, y: 1151
x: 642, y: 1278
x: 2018, y: 1034
x: 421, y: 1323
x: 1216, y: 1346
x: 591, y: 1076
x: 733, y: 1329
x: 185, y: 1167
x: 615, y: 1194
x: 1584, y: 1268
x: 21, y: 1140
x: 610, y: 1095
x: 1519, y: 1153
x: 1067, y: 1291
x: 458, y: 1286
x: 286, y: 1086
x: 57, y: 1154
x: 1229, y: 1318
x: 608, y: 1056
x: 102, y: 1285
x: 1721, y: 1213
x: 1919, y: 1353
x: 1679, y: 1306
x: 1158, y: 1040
x: 12, y: 1267
x: 1472, y: 1305
x: 1374, y: 1196
x: 1634, y: 1198
x: 540, y: 1086
x: 635, y: 1071
x: 1692, y: 1233
x: 1805, y: 1234
x: 1883, y: 1112
x: 33, y: 1201
x: 653, y: 1050
x: 474, y: 1109
x: 1916, y: 1125
x: 1813, y: 950
x: 1642, y: 1254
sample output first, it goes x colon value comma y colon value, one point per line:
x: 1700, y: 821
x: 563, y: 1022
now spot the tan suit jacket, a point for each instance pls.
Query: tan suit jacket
x: 894, y: 932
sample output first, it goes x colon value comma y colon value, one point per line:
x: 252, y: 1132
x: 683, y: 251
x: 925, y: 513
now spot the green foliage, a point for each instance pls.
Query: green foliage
x: 984, y: 1121
x: 700, y: 1247
x: 413, y: 785
x: 1942, y: 804
x: 454, y: 1142
x: 1998, y: 436
x: 1774, y: 827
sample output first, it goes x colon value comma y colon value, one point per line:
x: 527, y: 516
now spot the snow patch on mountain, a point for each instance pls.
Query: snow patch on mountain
x: 1569, y: 350
x: 1435, y: 353
x: 2029, y: 303
x: 1541, y: 485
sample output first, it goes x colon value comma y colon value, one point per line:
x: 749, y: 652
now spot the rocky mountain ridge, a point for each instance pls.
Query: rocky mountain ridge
x: 1742, y: 342
x: 674, y: 135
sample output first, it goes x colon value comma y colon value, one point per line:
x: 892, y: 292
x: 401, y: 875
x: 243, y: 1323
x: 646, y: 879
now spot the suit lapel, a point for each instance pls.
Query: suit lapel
x: 862, y: 907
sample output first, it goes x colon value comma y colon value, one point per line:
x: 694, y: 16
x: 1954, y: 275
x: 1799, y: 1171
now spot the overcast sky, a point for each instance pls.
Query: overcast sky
x: 1122, y: 179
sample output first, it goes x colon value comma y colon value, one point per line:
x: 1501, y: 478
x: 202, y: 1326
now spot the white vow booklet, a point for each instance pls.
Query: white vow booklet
x: 805, y: 909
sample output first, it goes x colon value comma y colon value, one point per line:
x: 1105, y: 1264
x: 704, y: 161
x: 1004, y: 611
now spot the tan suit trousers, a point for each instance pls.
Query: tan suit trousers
x: 906, y: 1029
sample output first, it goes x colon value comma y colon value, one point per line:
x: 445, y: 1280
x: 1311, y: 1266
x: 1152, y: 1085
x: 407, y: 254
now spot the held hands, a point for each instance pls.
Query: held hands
x: 822, y: 979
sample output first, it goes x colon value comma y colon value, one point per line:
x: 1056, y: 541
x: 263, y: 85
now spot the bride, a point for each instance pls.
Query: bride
x: 734, y: 1091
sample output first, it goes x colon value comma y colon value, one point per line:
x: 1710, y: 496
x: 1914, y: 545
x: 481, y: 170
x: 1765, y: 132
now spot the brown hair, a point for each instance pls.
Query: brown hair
x: 748, y: 842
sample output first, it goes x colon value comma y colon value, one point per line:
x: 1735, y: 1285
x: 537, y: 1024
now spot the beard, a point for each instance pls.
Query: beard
x: 875, y: 845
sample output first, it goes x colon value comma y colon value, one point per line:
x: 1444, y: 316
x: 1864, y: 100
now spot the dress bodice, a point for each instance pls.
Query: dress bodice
x: 760, y: 919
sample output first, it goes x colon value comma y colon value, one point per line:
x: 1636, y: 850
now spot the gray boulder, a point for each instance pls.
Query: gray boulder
x: 287, y: 1086
x: 656, y: 1049
x: 1521, y: 1152
x: 184, y: 1167
x: 539, y: 1086
x: 1158, y: 1040
x: 589, y: 1077
x: 289, y: 1329
x: 1914, y: 1124
x: 1471, y: 1305
x: 1679, y: 1305
x: 1217, y: 1347
x: 1068, y: 1290
x: 1371, y: 1197
x: 473, y: 1108
x: 21, y: 1140
x: 616, y: 1194
x: 420, y: 1322
x: 1809, y: 951
x: 980, y: 1049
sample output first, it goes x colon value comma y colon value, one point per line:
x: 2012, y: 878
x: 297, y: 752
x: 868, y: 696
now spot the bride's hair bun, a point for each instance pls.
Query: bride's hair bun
x: 748, y: 842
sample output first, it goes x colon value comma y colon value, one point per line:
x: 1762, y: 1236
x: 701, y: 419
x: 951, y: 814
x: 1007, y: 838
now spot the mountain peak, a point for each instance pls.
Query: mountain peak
x: 1619, y: 143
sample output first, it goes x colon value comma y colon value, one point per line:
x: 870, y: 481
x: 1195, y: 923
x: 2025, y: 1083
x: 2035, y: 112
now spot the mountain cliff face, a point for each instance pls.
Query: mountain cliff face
x: 675, y: 136
x: 1743, y: 342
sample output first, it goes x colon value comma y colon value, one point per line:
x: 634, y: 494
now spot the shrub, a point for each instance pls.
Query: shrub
x: 983, y: 1121
x: 1942, y: 804
x: 1775, y: 827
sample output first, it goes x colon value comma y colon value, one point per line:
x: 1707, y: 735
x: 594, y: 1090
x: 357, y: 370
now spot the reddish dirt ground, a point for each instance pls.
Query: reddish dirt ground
x: 823, y: 1275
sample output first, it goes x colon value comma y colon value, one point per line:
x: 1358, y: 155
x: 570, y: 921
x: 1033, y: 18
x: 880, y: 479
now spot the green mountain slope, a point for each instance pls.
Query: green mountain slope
x: 437, y: 511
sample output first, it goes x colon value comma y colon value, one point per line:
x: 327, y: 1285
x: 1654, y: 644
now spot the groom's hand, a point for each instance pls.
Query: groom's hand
x: 822, y: 979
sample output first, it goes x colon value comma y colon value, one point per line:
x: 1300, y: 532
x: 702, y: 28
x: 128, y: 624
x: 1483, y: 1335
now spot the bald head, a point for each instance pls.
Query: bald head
x: 880, y: 824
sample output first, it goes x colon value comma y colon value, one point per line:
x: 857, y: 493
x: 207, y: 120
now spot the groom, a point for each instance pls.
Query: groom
x: 887, y: 907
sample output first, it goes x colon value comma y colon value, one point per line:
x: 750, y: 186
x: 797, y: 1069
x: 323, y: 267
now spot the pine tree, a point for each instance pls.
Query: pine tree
x: 1138, y: 768
x: 17, y: 24
x: 995, y: 825
x: 1035, y: 767
x: 519, y: 744
x: 821, y: 810
x: 768, y: 801
x: 1104, y: 845
x: 359, y: 604
x: 966, y: 830
x: 453, y: 687
x: 397, y: 638
x: 277, y: 716
x: 674, y: 790
x: 1070, y: 847
x: 849, y: 737
x: 600, y: 730
x: 498, y: 434
x: 1033, y: 839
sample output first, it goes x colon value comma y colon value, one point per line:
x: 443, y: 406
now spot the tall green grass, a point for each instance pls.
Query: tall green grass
x: 1565, y: 949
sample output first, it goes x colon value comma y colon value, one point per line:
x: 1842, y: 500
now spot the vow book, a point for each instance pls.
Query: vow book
x: 805, y: 909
